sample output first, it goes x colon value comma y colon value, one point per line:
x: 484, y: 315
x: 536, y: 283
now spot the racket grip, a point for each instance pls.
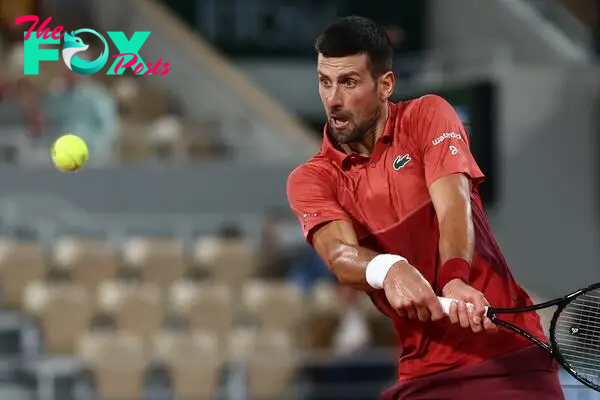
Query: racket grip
x: 446, y: 302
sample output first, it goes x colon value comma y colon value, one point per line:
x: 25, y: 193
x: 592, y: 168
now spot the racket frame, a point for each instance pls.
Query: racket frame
x: 552, y: 347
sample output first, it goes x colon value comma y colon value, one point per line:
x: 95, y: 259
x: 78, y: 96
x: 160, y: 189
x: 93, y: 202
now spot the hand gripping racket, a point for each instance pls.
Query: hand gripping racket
x: 574, y: 331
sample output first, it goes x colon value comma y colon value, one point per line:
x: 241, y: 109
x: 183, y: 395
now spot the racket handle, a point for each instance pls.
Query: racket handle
x: 446, y: 302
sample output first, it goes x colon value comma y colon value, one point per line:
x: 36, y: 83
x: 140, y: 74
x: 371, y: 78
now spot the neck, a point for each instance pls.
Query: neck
x: 365, y: 146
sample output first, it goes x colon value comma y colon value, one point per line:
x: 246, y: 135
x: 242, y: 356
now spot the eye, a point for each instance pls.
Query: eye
x: 324, y: 81
x: 349, y: 83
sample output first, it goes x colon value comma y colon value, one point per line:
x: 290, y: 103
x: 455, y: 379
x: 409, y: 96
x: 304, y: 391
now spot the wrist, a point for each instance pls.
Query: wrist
x: 378, y: 268
x: 454, y: 268
x: 448, y: 287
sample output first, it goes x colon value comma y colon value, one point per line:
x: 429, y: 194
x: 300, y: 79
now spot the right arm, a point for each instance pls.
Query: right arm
x: 328, y: 228
x: 337, y: 244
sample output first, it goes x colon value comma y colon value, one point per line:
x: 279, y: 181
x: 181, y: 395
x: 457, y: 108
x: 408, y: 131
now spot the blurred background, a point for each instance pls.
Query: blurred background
x: 171, y: 267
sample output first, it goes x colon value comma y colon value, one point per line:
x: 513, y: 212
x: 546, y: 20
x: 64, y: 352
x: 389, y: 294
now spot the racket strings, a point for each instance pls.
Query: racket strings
x: 577, y: 335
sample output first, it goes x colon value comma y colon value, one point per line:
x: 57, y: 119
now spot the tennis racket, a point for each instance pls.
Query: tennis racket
x: 574, y: 331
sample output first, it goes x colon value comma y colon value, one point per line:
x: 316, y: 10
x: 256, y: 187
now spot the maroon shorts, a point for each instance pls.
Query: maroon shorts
x: 528, y: 374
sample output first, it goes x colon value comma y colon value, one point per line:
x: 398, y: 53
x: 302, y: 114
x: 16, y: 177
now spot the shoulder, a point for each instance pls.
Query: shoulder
x: 316, y: 170
x: 315, y: 178
x: 425, y: 115
x: 426, y: 105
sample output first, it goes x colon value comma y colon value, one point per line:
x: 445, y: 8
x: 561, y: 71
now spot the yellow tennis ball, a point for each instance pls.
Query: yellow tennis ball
x: 69, y: 153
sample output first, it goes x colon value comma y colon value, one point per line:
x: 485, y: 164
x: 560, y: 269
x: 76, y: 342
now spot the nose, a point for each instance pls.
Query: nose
x: 334, y: 98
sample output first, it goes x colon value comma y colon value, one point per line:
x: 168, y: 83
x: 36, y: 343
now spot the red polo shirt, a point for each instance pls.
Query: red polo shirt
x: 387, y: 200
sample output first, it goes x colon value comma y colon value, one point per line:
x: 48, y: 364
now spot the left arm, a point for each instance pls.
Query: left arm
x: 450, y: 173
x: 451, y: 197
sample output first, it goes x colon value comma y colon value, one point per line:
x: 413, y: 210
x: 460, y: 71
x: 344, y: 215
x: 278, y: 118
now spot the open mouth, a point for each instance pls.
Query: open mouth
x: 339, y: 122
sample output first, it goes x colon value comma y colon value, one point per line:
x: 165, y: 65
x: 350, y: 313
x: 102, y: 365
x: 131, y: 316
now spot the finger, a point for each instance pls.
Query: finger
x: 489, y: 326
x: 477, y: 314
x: 475, y: 327
x: 423, y: 313
x: 400, y: 306
x: 411, y: 312
x: 435, y: 309
x: 453, y: 313
x: 479, y: 303
x: 463, y: 314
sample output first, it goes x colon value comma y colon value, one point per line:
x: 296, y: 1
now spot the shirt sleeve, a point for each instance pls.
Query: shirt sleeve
x: 311, y: 195
x: 443, y: 141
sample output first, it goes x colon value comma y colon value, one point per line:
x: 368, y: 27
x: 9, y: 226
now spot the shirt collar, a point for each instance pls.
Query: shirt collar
x: 332, y: 151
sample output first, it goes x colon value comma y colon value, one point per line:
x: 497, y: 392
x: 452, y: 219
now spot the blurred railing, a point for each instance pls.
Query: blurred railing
x: 47, y: 218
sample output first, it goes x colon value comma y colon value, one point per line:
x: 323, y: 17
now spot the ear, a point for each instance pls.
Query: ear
x: 387, y: 84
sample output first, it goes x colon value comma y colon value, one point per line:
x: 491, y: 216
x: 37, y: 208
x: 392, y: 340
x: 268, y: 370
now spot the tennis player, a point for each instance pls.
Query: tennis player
x: 390, y: 203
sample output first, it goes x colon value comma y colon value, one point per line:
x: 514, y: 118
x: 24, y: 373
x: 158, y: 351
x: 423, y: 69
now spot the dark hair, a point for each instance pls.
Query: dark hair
x: 357, y: 35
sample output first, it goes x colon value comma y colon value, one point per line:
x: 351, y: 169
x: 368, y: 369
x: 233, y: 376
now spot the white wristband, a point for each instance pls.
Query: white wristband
x: 378, y: 268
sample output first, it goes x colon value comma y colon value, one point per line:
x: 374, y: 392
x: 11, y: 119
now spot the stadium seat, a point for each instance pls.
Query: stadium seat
x: 382, y: 332
x: 194, y: 361
x: 125, y: 90
x: 229, y: 261
x: 380, y: 327
x: 20, y: 263
x: 240, y: 343
x: 206, y: 305
x: 64, y: 312
x: 166, y: 138
x: 133, y: 144
x: 200, y: 144
x: 326, y: 298
x: 146, y: 103
x: 323, y: 317
x: 275, y: 305
x: 161, y: 260
x: 271, y: 359
x: 137, y: 308
x: 89, y: 261
x: 117, y: 363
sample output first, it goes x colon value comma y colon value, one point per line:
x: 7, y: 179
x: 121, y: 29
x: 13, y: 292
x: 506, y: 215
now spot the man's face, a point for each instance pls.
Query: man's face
x: 352, y: 98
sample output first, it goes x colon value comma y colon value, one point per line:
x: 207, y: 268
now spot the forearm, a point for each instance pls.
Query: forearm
x: 349, y: 265
x: 353, y: 265
x: 456, y: 234
x: 456, y: 246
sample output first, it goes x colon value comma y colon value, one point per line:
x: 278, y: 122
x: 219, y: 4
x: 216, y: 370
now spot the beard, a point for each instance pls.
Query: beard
x: 354, y: 131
